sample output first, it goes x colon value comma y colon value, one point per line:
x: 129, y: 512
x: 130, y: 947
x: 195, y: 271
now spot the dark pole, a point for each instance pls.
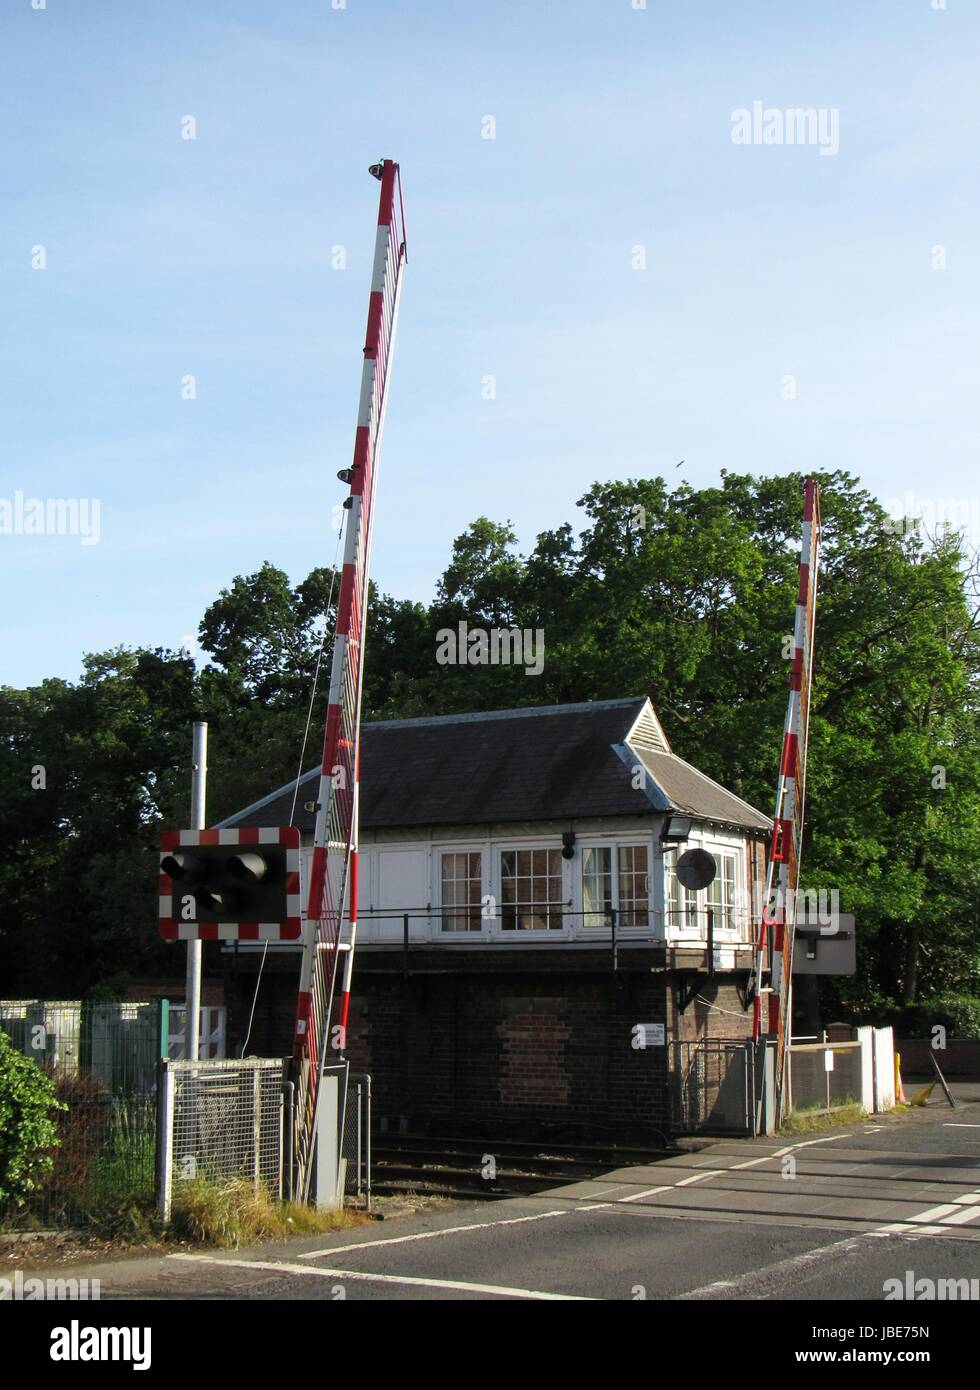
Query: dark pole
x: 405, y: 942
x: 612, y: 924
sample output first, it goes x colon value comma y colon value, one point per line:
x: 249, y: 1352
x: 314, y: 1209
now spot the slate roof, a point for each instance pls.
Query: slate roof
x: 687, y: 789
x: 549, y: 762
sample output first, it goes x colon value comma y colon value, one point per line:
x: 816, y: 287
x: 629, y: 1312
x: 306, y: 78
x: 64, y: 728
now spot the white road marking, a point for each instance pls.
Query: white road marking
x: 700, y: 1177
x: 900, y: 1228
x: 935, y: 1221
x: 958, y: 1124
x: 602, y: 1186
x: 964, y: 1209
x: 934, y: 1214
x: 961, y: 1217
x: 955, y: 1213
x: 781, y: 1153
x: 782, y: 1266
x: 720, y: 1172
x: 429, y: 1235
x: 318, y: 1272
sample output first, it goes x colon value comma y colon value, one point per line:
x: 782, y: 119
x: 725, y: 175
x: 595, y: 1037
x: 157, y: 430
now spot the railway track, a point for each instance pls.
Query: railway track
x: 466, y: 1168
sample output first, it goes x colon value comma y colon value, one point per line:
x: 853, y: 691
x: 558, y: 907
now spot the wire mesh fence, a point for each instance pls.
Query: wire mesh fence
x: 104, y: 1161
x: 222, y: 1121
x: 101, y: 1058
x: 825, y: 1077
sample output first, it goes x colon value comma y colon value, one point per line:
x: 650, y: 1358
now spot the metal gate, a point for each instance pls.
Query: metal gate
x: 222, y: 1121
x: 356, y: 1150
x: 713, y: 1086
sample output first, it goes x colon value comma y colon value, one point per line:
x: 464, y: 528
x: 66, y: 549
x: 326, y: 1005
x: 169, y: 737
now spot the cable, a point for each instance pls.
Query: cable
x: 316, y: 673
x: 255, y: 997
x: 302, y: 759
x: 717, y: 1009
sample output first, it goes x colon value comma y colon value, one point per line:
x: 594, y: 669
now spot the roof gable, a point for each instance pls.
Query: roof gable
x: 547, y: 762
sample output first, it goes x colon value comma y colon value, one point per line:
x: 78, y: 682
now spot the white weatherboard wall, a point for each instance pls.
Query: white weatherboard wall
x: 865, y: 1037
x: 402, y: 883
x: 884, y: 1063
x: 399, y: 873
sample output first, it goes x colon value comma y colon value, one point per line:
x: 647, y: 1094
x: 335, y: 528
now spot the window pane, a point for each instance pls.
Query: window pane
x: 531, y: 889
x: 596, y: 887
x: 634, y: 905
x: 461, y: 892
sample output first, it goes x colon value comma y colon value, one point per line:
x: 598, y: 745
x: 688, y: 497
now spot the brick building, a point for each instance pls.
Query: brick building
x: 527, y: 960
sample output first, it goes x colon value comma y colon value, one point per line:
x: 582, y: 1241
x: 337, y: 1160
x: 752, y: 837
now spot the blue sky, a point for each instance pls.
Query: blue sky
x: 168, y: 257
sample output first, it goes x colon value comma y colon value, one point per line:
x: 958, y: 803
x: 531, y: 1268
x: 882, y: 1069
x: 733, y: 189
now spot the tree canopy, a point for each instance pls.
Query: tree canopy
x: 683, y: 594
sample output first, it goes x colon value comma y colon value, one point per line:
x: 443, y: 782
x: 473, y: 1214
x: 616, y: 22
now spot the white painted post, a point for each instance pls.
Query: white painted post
x: 866, y: 1037
x: 884, y: 1048
x: 327, y: 1176
x: 199, y: 778
x: 257, y: 1124
x: 165, y: 1139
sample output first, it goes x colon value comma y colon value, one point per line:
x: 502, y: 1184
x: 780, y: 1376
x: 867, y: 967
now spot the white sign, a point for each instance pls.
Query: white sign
x: 652, y: 1034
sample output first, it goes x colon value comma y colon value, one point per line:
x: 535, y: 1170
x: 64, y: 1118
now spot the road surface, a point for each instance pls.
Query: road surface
x: 826, y: 1216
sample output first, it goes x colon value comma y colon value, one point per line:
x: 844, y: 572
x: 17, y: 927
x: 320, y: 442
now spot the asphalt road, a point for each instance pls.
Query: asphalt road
x: 828, y: 1216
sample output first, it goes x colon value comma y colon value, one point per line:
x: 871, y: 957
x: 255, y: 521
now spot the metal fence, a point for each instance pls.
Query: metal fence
x: 825, y: 1077
x: 114, y: 1043
x: 103, y: 1164
x: 102, y: 1060
x: 213, y: 1032
x: 713, y: 1086
x: 220, y: 1120
x: 356, y: 1147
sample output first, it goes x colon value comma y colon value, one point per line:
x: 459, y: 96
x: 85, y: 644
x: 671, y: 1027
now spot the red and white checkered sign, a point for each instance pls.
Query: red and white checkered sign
x: 289, y: 929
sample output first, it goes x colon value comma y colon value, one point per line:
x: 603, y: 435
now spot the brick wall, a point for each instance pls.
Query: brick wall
x: 532, y: 1053
x: 536, y: 1045
x: 715, y: 1012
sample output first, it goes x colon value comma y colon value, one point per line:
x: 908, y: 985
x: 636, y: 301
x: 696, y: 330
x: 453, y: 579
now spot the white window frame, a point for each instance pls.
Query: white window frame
x: 498, y: 931
x: 721, y: 931
x: 582, y: 846
x: 715, y: 844
x: 479, y: 847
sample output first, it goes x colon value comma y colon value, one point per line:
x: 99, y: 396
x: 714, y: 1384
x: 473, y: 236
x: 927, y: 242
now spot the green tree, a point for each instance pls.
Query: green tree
x: 27, y: 1128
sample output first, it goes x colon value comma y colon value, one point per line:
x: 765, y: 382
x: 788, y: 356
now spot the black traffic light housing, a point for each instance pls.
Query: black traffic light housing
x: 213, y: 880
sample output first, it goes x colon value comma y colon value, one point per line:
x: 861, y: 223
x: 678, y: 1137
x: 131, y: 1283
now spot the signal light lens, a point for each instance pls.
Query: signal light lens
x: 187, y: 868
x: 248, y: 868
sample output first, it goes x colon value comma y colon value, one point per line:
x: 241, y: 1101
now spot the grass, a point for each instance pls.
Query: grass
x: 103, y: 1183
x: 811, y: 1119
x: 235, y: 1213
